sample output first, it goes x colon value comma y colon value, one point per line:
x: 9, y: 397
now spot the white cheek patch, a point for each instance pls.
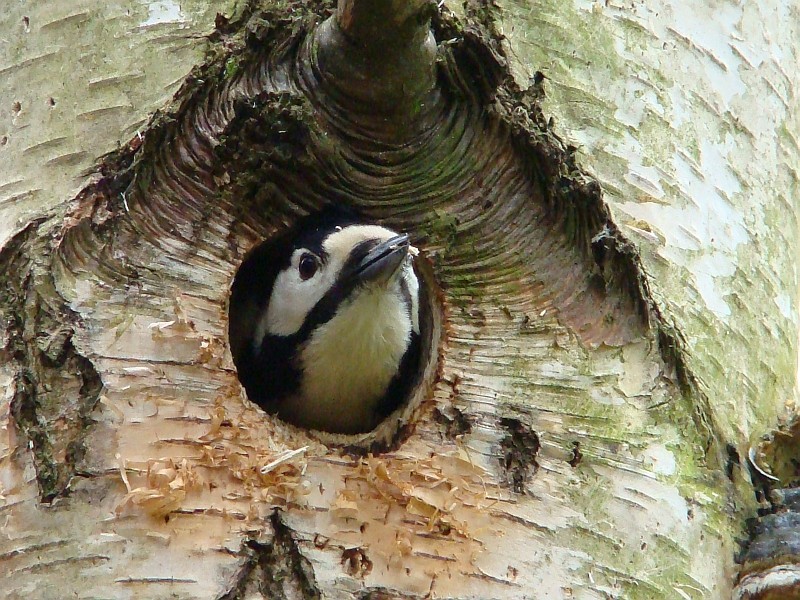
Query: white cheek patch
x: 293, y: 298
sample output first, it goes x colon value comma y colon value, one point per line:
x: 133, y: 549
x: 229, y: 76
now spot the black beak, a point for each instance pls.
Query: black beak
x: 383, y: 261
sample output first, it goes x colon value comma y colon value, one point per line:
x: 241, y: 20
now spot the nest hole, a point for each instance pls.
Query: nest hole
x: 267, y: 354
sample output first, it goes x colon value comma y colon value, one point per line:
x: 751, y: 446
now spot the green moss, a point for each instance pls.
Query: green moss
x: 232, y: 66
x: 441, y: 228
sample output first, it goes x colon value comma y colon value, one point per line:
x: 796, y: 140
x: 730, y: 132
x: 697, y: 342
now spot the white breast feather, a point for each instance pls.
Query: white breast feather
x: 350, y: 360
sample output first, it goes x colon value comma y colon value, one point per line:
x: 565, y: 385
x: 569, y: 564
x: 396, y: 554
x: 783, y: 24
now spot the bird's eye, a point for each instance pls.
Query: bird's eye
x: 308, y: 266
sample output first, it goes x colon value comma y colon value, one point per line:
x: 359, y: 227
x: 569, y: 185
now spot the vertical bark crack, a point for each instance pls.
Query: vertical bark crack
x: 276, y: 570
x: 520, y: 448
x: 55, y: 387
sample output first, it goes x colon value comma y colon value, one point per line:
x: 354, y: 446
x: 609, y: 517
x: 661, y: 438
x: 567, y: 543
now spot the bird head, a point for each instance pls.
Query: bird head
x: 336, y: 330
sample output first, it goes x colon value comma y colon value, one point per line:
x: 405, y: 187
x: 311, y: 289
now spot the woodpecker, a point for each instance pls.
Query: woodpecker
x: 326, y: 333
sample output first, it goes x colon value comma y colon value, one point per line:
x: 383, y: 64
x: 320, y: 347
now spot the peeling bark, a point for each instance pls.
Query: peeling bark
x: 55, y: 388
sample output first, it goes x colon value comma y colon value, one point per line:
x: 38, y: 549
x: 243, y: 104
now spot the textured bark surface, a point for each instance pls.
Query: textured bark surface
x: 688, y: 114
x: 572, y: 444
x: 79, y: 79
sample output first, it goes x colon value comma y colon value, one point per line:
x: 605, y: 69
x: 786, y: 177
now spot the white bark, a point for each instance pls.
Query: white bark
x: 688, y: 114
x: 79, y: 79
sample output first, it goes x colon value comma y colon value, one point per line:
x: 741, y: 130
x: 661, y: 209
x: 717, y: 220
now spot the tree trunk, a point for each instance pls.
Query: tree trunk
x: 600, y: 196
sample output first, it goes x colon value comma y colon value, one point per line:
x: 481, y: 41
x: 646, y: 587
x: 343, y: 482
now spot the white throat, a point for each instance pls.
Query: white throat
x: 349, y: 361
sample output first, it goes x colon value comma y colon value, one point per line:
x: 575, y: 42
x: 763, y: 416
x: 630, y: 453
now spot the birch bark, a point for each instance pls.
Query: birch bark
x: 562, y: 454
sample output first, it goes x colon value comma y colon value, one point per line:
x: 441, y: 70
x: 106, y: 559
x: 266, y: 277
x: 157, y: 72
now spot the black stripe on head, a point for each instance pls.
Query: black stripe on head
x: 256, y: 276
x: 272, y: 372
x: 341, y: 290
x: 269, y: 372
